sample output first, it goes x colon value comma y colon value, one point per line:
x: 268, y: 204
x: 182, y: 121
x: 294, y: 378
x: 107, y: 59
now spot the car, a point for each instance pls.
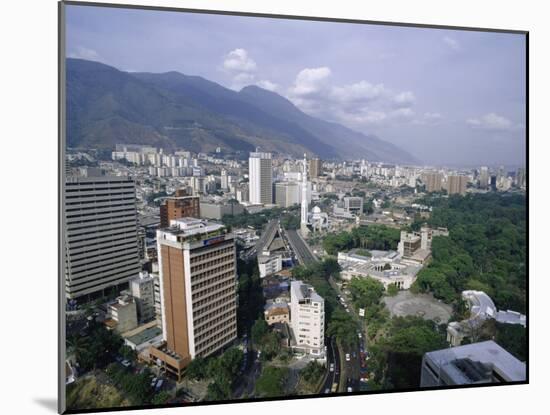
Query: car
x: 359, y: 335
x: 126, y: 363
x: 327, y: 390
x: 354, y: 355
x: 158, y: 386
x: 347, y: 357
x: 350, y: 389
x: 153, y: 382
x: 331, y: 368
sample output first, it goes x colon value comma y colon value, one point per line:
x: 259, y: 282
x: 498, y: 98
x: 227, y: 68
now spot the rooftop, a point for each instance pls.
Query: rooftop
x: 302, y: 291
x: 487, y: 353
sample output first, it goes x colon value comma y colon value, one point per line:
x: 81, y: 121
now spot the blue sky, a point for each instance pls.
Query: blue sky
x: 448, y: 97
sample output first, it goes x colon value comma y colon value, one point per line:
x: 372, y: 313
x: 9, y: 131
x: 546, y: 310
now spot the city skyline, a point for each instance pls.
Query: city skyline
x: 446, y: 96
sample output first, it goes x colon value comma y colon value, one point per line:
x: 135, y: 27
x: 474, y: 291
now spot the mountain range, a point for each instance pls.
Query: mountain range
x: 106, y: 106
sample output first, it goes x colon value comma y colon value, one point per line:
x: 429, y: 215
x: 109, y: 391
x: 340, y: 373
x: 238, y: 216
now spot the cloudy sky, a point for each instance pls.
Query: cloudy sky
x: 448, y: 97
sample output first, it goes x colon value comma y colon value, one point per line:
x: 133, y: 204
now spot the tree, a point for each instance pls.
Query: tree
x: 161, y: 398
x: 392, y: 290
x: 259, y: 330
x: 196, y: 369
x: 366, y: 291
x: 271, y: 382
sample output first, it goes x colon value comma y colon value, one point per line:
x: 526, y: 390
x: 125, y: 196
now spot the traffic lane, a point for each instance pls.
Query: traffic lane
x: 332, y: 359
x: 353, y: 369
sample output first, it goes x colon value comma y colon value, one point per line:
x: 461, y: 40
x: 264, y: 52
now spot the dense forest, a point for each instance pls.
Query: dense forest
x: 486, y: 249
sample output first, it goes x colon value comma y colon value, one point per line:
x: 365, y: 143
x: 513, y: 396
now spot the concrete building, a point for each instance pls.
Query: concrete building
x: 315, y: 168
x: 387, y: 267
x: 181, y: 205
x: 307, y: 316
x: 198, y: 284
x: 142, y: 289
x: 101, y: 240
x: 287, y: 194
x: 158, y: 305
x: 456, y: 185
x: 269, y: 263
x: 432, y: 182
x: 477, y: 363
x: 260, y: 172
x: 484, y: 177
x: 124, y: 314
x: 210, y: 210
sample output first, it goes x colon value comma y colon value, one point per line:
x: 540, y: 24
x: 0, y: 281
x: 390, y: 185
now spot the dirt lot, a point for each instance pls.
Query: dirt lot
x: 406, y: 303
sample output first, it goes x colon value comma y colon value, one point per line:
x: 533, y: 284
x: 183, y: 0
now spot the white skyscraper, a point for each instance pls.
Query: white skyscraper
x: 304, y: 211
x: 260, y: 173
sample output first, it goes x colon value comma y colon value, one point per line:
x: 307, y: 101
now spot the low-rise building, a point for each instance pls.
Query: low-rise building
x: 269, y: 263
x: 123, y: 313
x: 277, y: 313
x: 387, y: 267
x: 477, y: 363
x: 142, y: 289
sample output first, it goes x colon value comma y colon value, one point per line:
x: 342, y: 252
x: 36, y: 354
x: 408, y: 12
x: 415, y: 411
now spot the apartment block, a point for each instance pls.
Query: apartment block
x: 307, y: 317
x: 181, y: 205
x: 142, y: 289
x: 456, y: 185
x: 197, y: 273
x: 101, y: 238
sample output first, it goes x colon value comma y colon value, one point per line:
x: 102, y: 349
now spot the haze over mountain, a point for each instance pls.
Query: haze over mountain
x: 106, y: 106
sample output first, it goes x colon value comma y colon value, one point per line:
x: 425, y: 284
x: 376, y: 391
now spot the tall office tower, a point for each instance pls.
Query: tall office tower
x: 304, y: 206
x: 307, y: 318
x: 260, y: 174
x: 142, y: 289
x: 457, y: 185
x: 179, y: 206
x: 520, y: 178
x: 198, y: 286
x: 101, y: 238
x: 483, y: 177
x: 287, y: 194
x: 224, y: 181
x: 315, y: 168
x: 433, y: 182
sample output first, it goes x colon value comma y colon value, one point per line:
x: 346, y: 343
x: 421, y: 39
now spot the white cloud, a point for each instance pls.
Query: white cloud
x: 82, y: 52
x: 493, y: 122
x: 266, y: 84
x: 404, y: 99
x: 238, y: 61
x: 310, y: 81
x: 428, y: 118
x: 358, y: 104
x: 362, y: 91
x: 452, y: 43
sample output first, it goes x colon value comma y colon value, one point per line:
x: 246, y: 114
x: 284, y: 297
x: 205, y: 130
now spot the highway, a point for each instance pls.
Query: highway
x: 267, y: 236
x: 333, y: 357
x: 299, y: 246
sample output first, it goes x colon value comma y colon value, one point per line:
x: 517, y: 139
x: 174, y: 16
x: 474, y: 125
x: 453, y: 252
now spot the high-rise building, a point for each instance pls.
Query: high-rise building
x: 304, y: 203
x: 483, y: 177
x: 260, y: 174
x: 307, y: 316
x: 101, y: 238
x: 180, y: 205
x: 287, y: 194
x: 433, y: 182
x: 224, y: 181
x: 142, y: 289
x: 197, y: 272
x: 520, y: 178
x: 315, y: 168
x: 457, y: 185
